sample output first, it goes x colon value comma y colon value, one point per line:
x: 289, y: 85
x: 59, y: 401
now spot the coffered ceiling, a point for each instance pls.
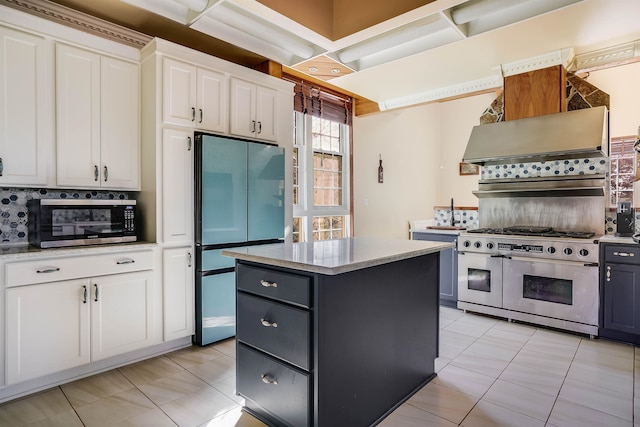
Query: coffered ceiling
x: 396, y: 53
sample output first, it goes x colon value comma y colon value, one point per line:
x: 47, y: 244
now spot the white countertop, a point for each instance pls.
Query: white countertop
x: 336, y: 256
x: 25, y: 251
x: 610, y: 238
x: 435, y: 231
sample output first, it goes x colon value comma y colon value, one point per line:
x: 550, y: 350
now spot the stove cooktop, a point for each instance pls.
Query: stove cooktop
x: 535, y: 231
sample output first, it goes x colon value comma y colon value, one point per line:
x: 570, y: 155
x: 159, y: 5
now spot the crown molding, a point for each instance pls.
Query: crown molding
x: 562, y: 57
x: 609, y: 56
x: 80, y: 21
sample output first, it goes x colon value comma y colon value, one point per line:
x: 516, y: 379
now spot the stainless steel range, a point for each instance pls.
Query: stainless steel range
x: 531, y: 274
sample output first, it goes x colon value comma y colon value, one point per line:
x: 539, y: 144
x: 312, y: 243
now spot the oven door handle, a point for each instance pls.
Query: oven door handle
x: 555, y: 261
x: 500, y: 256
x: 591, y: 264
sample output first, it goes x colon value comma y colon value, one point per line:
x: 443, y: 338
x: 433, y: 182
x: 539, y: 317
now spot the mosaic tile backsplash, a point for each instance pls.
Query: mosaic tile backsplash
x: 14, y: 215
x: 467, y: 218
x: 588, y: 166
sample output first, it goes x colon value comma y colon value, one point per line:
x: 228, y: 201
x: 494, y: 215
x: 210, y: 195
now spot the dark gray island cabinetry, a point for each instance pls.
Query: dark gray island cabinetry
x: 335, y: 333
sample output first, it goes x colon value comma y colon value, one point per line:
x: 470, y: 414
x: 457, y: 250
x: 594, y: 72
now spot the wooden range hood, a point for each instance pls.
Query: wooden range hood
x: 535, y: 93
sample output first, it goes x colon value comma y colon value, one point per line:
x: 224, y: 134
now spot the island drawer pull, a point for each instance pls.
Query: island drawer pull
x: 624, y: 253
x: 266, y: 323
x: 267, y: 379
x: 125, y: 261
x: 48, y: 270
x: 267, y: 284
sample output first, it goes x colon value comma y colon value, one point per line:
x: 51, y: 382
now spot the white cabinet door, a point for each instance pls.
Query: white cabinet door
x: 242, y: 112
x: 266, y: 113
x: 78, y: 117
x: 120, y: 129
x: 178, y: 288
x: 178, y: 92
x: 211, y: 100
x: 122, y: 314
x: 177, y: 186
x: 47, y: 328
x: 25, y: 139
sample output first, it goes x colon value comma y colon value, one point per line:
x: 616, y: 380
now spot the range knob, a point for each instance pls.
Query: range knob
x: 477, y: 245
x: 551, y: 250
x: 583, y: 252
x: 466, y: 243
x: 490, y: 245
x: 567, y: 251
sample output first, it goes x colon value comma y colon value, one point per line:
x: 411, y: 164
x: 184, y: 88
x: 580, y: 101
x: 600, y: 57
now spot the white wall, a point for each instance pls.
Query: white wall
x: 421, y: 149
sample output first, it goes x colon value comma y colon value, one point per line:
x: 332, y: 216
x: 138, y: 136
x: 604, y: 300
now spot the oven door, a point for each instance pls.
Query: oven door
x: 558, y: 289
x: 480, y: 279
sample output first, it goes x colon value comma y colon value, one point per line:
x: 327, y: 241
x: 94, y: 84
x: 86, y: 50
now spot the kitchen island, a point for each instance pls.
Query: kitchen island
x: 335, y: 333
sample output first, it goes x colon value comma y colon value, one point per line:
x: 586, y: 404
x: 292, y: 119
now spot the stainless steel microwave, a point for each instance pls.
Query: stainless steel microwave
x: 56, y: 223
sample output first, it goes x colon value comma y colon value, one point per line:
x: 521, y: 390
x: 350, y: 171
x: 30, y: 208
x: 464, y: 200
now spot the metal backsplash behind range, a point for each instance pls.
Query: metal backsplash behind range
x: 14, y: 214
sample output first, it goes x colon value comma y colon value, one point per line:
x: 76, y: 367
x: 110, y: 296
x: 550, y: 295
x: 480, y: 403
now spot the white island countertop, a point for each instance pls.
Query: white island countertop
x: 336, y: 256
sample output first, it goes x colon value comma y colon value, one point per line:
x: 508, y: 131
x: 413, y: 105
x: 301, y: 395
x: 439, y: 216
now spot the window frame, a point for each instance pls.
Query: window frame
x: 625, y: 141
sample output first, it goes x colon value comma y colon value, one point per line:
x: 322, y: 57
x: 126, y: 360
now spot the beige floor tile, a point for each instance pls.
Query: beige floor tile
x: 228, y: 387
x: 152, y: 418
x: 164, y: 390
x: 234, y: 418
x: 602, y: 358
x: 440, y: 363
x: 464, y: 380
x: 467, y: 328
x: 215, y: 370
x: 481, y: 363
x: 35, y: 407
x: 527, y: 376
x: 598, y: 398
x: 486, y: 414
x: 96, y: 387
x: 551, y: 347
x: 521, y: 399
x: 515, y: 327
x: 194, y: 355
x: 63, y: 419
x: 545, y: 362
x: 227, y: 346
x: 150, y: 370
x: 411, y: 416
x: 512, y: 337
x: 494, y: 349
x: 448, y: 351
x: 444, y: 322
x: 564, y: 338
x: 571, y: 414
x: 196, y: 408
x: 607, y: 377
x: 450, y: 313
x: 610, y: 347
x: 115, y: 409
x: 479, y: 319
x: 456, y: 339
x: 444, y: 402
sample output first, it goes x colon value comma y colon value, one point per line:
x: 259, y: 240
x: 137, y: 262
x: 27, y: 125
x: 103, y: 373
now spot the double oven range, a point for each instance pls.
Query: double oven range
x: 531, y: 273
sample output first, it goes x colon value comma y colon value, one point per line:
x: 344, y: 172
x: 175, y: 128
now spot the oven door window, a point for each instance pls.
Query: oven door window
x: 548, y: 289
x: 479, y: 280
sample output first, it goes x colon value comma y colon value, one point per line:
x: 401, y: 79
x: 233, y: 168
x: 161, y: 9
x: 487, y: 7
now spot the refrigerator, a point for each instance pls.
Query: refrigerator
x: 239, y: 187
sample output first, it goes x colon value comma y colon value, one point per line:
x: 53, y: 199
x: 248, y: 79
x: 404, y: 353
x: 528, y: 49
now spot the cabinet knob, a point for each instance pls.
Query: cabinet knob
x: 267, y: 284
x: 268, y: 324
x: 268, y: 379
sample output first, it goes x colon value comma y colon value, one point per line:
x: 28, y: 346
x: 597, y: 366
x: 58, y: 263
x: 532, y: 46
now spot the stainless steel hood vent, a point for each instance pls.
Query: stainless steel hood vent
x: 569, y: 135
x: 565, y: 186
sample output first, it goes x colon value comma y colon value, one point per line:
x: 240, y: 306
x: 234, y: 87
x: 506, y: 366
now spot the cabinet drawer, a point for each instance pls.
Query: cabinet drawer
x: 627, y: 254
x: 279, y: 330
x: 279, y: 389
x: 53, y: 270
x: 273, y: 284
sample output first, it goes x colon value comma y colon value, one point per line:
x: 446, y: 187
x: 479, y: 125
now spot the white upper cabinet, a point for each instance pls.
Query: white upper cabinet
x: 25, y: 114
x: 193, y: 96
x: 97, y: 115
x: 177, y: 186
x: 253, y: 110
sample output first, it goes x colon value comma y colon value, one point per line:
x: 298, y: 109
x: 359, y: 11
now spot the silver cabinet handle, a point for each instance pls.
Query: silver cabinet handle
x: 96, y: 294
x: 624, y: 254
x: 188, y: 143
x: 95, y: 172
x: 268, y: 284
x: 608, y: 273
x: 84, y: 294
x: 200, y: 115
x: 259, y: 127
x: 268, y: 379
x: 1, y: 167
x: 48, y: 270
x: 268, y: 324
x: 106, y: 173
x: 189, y: 259
x: 125, y: 261
x: 193, y: 114
x: 253, y: 126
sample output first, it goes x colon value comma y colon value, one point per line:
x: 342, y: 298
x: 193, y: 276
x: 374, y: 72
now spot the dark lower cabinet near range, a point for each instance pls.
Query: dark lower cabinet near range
x: 620, y: 292
x: 448, y: 265
x: 335, y: 350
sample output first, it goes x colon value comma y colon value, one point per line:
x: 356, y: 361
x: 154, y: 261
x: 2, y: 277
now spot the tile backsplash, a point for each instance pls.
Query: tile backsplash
x: 14, y: 216
x: 589, y: 166
x: 466, y: 218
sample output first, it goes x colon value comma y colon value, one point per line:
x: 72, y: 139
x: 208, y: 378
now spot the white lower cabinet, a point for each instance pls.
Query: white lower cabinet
x: 178, y: 291
x: 56, y: 325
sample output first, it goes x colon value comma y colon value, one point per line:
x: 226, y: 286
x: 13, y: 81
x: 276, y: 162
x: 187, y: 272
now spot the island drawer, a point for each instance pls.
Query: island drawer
x: 274, y: 284
x: 275, y: 328
x: 274, y: 385
x: 622, y: 254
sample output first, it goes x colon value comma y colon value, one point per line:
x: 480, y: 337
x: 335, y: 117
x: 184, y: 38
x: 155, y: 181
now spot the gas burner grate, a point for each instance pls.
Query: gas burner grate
x: 533, y: 231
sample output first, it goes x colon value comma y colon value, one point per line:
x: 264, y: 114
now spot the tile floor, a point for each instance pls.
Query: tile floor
x: 490, y: 373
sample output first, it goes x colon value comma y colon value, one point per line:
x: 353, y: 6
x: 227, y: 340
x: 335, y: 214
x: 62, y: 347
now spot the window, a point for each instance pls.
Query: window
x: 622, y: 169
